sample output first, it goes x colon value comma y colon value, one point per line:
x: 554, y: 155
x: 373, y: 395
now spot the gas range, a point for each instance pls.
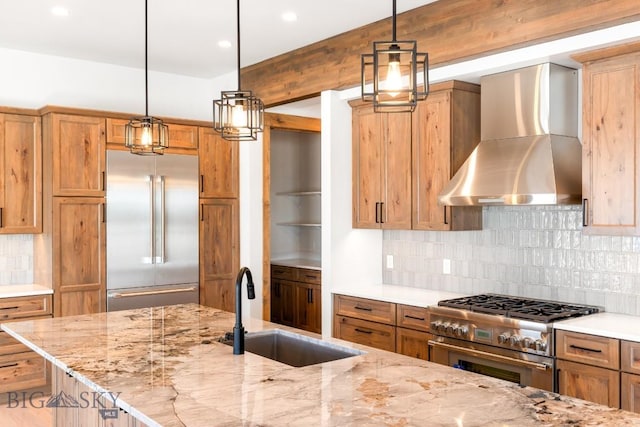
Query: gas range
x: 515, y: 323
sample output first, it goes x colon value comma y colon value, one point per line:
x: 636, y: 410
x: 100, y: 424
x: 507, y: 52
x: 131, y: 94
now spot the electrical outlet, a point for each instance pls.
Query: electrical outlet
x: 389, y: 261
x: 446, y: 266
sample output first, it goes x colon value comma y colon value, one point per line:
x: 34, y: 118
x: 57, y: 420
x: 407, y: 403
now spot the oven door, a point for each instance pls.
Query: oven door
x: 521, y: 368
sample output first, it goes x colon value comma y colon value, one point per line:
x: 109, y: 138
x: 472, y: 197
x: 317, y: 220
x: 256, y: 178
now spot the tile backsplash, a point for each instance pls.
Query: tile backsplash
x: 16, y: 259
x: 538, y: 252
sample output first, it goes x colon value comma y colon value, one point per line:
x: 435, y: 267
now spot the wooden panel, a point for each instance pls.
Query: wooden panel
x: 218, y: 164
x: 9, y: 345
x: 79, y: 155
x: 589, y: 349
x: 181, y: 137
x: 412, y: 317
x: 367, y: 128
x: 630, y: 396
x: 283, y: 301
x: 79, y: 255
x: 630, y: 357
x: 413, y: 343
x: 308, y: 307
x: 219, y: 252
x: 307, y: 275
x: 590, y: 383
x: 611, y: 99
x: 449, y: 31
x: 364, y: 332
x: 283, y: 272
x: 367, y: 309
x: 29, y: 306
x: 22, y: 371
x: 396, y: 191
x: 20, y: 174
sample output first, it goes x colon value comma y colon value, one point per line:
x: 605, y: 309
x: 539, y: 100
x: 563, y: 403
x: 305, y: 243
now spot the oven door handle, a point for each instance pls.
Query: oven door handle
x: 494, y: 357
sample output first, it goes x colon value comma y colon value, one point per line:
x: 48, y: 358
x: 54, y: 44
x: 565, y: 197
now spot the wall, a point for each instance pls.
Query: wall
x: 537, y: 252
x: 16, y: 259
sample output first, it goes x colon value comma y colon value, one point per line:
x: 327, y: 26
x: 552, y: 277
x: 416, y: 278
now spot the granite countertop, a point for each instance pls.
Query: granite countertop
x: 11, y: 291
x: 612, y: 325
x: 395, y: 293
x: 170, y: 370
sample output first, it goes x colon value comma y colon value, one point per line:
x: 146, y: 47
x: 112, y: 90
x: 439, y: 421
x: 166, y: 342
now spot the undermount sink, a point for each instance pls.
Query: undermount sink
x: 294, y: 349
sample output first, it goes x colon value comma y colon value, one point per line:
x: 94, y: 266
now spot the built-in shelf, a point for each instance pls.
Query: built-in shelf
x: 300, y: 224
x: 299, y: 193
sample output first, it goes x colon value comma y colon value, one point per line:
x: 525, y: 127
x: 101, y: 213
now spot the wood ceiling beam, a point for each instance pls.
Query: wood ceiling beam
x: 449, y: 30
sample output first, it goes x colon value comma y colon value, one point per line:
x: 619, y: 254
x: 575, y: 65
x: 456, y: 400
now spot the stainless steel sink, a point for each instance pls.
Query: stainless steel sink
x: 294, y: 349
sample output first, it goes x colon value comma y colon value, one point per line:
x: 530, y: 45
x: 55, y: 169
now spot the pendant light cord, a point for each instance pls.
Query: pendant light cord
x: 146, y: 69
x: 238, y: 42
x: 394, y: 20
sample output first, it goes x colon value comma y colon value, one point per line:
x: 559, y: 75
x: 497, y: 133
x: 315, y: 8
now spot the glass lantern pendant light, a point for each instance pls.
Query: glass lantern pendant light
x: 146, y: 135
x: 238, y: 115
x: 392, y: 71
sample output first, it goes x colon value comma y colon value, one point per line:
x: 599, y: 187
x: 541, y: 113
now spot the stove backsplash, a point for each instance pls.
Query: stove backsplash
x: 16, y: 259
x: 537, y: 252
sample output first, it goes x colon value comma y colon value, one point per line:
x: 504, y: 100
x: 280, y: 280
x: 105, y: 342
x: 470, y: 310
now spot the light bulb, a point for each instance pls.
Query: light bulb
x: 146, y: 137
x: 394, y: 76
x: 238, y: 116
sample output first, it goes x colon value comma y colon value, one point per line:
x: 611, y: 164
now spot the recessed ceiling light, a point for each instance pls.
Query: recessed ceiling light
x: 59, y: 11
x: 289, y: 17
x: 225, y: 44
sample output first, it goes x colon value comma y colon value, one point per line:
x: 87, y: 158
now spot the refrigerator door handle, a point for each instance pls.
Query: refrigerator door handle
x: 161, y: 258
x: 144, y: 293
x: 152, y: 219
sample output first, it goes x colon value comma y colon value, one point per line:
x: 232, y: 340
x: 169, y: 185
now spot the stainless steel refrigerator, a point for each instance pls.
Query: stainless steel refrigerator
x: 152, y: 230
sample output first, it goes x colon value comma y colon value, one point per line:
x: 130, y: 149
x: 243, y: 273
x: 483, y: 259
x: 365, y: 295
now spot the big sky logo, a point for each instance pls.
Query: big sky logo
x: 105, y: 403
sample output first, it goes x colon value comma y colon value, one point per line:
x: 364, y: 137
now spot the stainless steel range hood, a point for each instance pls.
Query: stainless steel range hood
x: 529, y: 153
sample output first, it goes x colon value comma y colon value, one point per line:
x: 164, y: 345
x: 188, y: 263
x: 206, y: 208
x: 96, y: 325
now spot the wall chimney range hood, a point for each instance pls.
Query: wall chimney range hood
x: 529, y: 153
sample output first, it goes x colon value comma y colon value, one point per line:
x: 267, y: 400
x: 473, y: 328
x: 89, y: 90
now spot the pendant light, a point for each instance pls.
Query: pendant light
x: 146, y: 135
x: 393, y: 69
x: 238, y: 115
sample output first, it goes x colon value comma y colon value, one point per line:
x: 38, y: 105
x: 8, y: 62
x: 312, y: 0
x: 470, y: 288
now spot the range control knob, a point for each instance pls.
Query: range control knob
x: 503, y: 338
x: 527, y: 342
x: 462, y: 331
x: 452, y: 328
x: 540, y: 345
x: 435, y: 324
x: 514, y: 340
x: 442, y: 328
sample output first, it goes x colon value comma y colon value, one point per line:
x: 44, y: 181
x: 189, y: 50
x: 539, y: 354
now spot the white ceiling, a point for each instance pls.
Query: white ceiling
x: 183, y: 35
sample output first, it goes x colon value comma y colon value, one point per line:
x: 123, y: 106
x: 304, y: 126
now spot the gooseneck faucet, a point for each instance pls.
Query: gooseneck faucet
x: 238, y: 329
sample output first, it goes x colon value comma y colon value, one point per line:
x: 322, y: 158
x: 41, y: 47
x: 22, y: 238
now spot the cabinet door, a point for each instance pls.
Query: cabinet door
x: 219, y: 165
x: 219, y: 252
x: 79, y: 255
x: 364, y: 332
x: 610, y: 160
x: 308, y: 307
x: 79, y: 152
x: 20, y: 174
x: 630, y: 392
x: 590, y: 383
x: 413, y: 343
x: 368, y: 133
x: 396, y: 195
x: 282, y: 302
x: 183, y: 139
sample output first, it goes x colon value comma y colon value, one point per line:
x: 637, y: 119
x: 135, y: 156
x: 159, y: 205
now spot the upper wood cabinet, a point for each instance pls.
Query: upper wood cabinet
x: 446, y: 129
x: 77, y: 153
x: 611, y: 138
x: 183, y: 139
x: 381, y: 168
x: 219, y: 165
x: 20, y: 174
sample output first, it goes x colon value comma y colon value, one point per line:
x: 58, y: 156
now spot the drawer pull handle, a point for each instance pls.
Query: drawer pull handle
x: 577, y: 347
x: 408, y: 316
x: 357, y: 307
x: 9, y: 308
x: 363, y: 331
x: 309, y: 276
x: 10, y: 365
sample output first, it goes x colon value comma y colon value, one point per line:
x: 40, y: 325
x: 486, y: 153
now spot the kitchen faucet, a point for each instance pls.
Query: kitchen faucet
x: 238, y: 329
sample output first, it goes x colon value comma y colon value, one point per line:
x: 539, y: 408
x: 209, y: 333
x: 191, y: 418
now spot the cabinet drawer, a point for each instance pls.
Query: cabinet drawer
x: 18, y: 307
x: 366, y: 333
x: 282, y: 272
x: 413, y: 317
x: 9, y: 345
x: 309, y: 276
x: 630, y: 359
x: 22, y: 371
x: 367, y: 309
x: 589, y: 349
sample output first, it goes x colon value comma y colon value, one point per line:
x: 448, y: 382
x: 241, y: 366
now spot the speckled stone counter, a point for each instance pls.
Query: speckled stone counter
x: 170, y: 370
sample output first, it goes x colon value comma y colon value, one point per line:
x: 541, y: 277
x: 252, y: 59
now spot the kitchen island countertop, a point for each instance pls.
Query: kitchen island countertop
x: 170, y: 370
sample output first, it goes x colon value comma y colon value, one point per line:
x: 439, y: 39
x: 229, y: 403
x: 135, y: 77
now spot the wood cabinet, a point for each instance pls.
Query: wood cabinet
x: 79, y: 255
x: 412, y: 331
x: 20, y: 368
x: 365, y: 321
x: 20, y: 174
x: 630, y: 377
x: 588, y: 367
x: 183, y: 139
x: 446, y: 129
x: 296, y: 297
x: 219, y: 252
x: 381, y: 168
x: 219, y: 165
x: 610, y: 139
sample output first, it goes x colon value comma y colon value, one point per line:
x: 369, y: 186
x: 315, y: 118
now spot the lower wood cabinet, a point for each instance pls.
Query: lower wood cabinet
x: 413, y: 343
x: 296, y: 297
x: 365, y: 332
x: 630, y: 395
